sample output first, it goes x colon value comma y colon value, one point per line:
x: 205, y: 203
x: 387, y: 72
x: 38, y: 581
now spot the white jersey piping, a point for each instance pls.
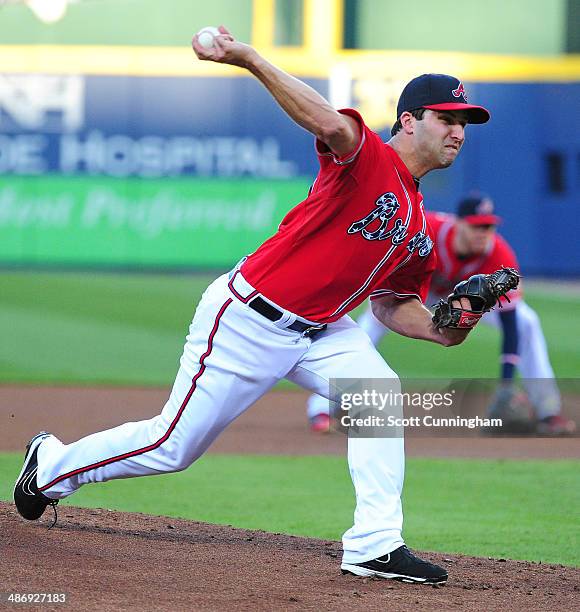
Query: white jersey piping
x: 344, y: 162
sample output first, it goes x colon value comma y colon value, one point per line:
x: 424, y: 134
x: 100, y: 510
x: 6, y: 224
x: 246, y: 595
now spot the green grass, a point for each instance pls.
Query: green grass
x: 511, y: 509
x: 130, y: 328
x: 94, y: 328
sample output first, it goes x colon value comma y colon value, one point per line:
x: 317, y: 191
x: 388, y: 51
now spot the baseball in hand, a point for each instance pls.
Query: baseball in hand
x: 206, y: 36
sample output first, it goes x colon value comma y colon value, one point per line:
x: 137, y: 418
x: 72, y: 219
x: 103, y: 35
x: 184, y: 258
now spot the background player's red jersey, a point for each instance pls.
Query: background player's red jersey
x: 336, y: 248
x: 452, y: 269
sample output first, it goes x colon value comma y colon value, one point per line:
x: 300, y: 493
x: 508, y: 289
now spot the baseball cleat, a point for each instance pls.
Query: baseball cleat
x: 30, y: 502
x: 320, y: 423
x: 556, y: 425
x: 401, y: 565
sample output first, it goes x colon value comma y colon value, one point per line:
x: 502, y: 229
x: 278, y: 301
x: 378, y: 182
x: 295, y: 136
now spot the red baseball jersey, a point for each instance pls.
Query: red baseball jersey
x: 452, y: 269
x: 360, y: 232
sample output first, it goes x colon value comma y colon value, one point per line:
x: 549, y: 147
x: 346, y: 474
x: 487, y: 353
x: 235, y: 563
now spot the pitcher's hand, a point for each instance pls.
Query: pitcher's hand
x: 226, y: 50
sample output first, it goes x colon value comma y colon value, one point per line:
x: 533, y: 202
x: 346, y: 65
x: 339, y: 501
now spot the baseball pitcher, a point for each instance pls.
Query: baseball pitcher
x: 283, y: 311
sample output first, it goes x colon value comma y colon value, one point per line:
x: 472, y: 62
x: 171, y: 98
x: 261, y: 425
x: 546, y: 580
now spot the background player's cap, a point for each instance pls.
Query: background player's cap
x: 477, y: 210
x: 439, y: 92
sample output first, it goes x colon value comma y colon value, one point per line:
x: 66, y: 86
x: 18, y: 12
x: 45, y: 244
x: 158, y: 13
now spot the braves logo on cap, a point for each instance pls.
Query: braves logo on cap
x: 460, y: 91
x: 485, y: 207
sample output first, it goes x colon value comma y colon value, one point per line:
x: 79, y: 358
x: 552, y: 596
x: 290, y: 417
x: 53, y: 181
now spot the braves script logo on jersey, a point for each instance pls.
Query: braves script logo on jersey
x: 421, y: 243
x: 460, y: 91
x: 387, y: 206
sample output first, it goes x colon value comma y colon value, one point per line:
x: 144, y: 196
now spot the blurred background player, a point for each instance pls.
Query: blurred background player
x: 467, y: 243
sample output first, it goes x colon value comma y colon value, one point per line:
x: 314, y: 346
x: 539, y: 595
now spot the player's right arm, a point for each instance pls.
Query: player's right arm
x: 341, y: 133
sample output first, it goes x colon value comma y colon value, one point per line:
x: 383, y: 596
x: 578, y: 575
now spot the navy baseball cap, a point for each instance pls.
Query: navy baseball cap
x: 439, y: 92
x: 477, y: 210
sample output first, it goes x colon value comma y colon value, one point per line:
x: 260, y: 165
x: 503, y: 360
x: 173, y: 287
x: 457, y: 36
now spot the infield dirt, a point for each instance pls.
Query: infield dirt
x: 108, y: 561
x: 275, y: 425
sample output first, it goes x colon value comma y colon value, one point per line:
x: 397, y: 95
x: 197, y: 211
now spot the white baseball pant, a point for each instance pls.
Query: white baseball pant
x: 232, y: 356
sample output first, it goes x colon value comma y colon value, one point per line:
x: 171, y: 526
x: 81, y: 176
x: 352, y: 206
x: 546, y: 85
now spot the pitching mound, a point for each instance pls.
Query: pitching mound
x: 108, y: 560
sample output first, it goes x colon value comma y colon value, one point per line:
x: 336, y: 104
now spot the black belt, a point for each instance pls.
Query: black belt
x: 273, y: 314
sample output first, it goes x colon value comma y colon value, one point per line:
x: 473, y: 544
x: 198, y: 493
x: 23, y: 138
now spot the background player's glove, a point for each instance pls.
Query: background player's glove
x: 513, y: 408
x: 483, y: 292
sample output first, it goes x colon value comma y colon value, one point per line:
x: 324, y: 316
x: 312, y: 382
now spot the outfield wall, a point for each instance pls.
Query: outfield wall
x: 197, y: 170
x: 496, y: 26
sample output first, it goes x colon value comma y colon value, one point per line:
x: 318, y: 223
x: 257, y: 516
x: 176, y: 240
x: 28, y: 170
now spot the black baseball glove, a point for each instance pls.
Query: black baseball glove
x: 483, y: 292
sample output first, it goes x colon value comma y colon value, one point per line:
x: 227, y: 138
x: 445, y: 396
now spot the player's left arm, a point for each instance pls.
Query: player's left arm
x: 510, y: 342
x: 410, y: 318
